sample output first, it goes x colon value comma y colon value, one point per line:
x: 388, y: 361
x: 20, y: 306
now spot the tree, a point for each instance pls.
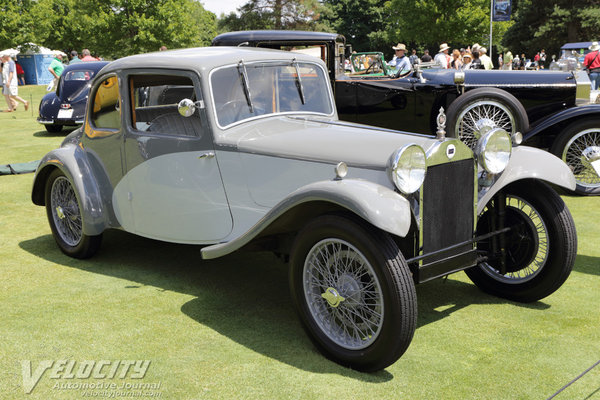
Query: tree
x: 549, y: 24
x: 428, y: 23
x: 356, y: 20
x: 110, y: 28
x: 275, y: 14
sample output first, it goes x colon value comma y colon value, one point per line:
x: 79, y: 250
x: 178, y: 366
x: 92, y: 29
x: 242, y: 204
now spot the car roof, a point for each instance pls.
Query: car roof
x: 234, y: 38
x: 576, y: 46
x: 203, y: 58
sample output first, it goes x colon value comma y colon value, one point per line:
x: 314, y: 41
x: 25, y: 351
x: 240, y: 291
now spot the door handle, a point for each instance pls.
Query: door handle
x: 208, y: 154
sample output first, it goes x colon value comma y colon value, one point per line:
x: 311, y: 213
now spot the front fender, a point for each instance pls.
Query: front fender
x: 377, y: 204
x: 71, y: 160
x: 570, y: 113
x: 528, y: 162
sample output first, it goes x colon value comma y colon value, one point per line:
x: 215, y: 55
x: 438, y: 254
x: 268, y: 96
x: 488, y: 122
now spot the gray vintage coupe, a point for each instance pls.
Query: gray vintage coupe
x: 233, y: 148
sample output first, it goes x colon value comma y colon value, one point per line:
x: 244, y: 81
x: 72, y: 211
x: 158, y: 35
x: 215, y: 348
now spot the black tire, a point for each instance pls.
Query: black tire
x: 387, y: 282
x: 540, y: 248
x: 64, y: 216
x: 569, y: 147
x: 471, y: 106
x: 54, y: 128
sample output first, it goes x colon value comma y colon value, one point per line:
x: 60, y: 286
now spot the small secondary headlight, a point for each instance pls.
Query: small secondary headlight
x: 407, y: 168
x: 493, y: 150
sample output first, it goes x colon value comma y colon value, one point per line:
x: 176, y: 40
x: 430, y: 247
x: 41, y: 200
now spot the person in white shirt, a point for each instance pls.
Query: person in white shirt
x: 486, y: 61
x: 400, y: 62
x: 442, y: 58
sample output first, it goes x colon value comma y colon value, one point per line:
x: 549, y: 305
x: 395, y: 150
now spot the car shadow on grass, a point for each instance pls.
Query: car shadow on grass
x: 587, y: 265
x: 64, y: 132
x: 244, y: 296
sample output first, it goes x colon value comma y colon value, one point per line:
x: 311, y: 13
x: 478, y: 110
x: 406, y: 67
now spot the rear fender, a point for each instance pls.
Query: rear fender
x: 71, y: 160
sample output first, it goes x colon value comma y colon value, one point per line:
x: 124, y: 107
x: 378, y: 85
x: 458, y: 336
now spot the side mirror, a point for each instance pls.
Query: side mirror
x: 187, y: 107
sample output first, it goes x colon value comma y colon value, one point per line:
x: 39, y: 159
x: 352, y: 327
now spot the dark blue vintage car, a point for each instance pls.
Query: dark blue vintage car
x: 66, y: 106
x: 551, y: 110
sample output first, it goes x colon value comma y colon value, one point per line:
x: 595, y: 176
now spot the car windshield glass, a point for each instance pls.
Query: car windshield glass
x: 272, y: 87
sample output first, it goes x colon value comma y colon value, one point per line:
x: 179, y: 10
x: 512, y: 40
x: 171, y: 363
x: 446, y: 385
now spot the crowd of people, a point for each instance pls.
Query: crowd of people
x: 57, y: 65
x: 472, y: 57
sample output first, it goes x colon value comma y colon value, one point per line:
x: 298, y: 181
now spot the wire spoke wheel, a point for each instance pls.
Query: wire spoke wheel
x: 343, y: 293
x: 536, y: 255
x: 353, y: 291
x: 528, y: 243
x: 573, y: 156
x: 481, y: 116
x: 65, y: 211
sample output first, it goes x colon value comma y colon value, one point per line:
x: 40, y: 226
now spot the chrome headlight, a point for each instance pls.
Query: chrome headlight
x: 407, y: 168
x: 493, y: 150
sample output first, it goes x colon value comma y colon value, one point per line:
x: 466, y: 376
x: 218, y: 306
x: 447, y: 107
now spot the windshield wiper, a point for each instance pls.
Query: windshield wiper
x: 299, y: 81
x: 245, y: 84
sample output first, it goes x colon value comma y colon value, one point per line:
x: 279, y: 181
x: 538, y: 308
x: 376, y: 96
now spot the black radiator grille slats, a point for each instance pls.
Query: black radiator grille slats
x: 448, y: 204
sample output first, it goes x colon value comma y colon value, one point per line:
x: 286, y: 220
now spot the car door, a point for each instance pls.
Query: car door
x: 173, y: 182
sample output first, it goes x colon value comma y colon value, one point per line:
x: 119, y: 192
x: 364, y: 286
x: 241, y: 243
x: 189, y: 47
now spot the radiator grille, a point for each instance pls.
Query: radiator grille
x: 448, y: 206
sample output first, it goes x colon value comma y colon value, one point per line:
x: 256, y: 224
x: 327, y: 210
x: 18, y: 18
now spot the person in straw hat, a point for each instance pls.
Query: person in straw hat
x: 467, y: 60
x: 400, y: 62
x: 591, y: 62
x: 442, y: 59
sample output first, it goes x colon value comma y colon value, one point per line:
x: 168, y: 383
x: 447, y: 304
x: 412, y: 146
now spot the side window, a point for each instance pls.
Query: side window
x: 105, y: 111
x: 154, y: 100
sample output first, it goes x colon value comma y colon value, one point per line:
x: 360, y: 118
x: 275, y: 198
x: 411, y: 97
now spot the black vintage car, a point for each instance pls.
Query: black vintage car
x: 552, y: 110
x: 66, y: 106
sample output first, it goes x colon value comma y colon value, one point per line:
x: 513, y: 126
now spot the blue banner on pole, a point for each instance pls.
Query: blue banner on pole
x: 501, y: 10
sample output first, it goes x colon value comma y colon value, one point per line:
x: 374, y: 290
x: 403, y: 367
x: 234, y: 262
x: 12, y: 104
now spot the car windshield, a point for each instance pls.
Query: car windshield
x: 246, y: 91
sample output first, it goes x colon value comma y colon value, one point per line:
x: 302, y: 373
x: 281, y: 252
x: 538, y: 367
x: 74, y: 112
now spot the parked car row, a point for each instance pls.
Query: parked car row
x: 242, y: 148
x: 550, y: 109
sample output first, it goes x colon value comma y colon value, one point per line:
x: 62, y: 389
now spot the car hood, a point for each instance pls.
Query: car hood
x: 320, y: 139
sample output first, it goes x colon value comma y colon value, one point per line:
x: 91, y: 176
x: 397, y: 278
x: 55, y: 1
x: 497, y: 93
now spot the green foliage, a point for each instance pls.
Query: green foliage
x: 110, y: 28
x: 419, y: 24
x: 550, y: 24
x: 276, y: 14
x: 356, y: 19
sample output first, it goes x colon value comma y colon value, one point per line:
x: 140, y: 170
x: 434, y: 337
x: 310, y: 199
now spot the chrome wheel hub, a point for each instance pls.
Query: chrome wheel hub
x: 479, y: 118
x: 483, y: 126
x: 60, y: 213
x: 333, y: 297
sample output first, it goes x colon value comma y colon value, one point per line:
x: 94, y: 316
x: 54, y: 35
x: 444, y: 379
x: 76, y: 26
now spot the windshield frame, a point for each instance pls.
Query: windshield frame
x: 275, y: 62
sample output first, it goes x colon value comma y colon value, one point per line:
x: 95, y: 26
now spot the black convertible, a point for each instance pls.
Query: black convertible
x: 552, y: 110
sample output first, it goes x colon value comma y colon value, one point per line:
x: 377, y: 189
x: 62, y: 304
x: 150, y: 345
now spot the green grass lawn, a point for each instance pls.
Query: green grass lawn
x: 226, y: 328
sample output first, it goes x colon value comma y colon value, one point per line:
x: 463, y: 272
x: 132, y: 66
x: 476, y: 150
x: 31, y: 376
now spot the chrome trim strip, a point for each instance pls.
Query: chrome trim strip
x: 45, y: 122
x: 228, y: 148
x: 520, y: 85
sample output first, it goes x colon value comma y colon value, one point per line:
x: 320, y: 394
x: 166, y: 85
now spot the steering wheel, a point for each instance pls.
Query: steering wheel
x: 402, y: 74
x: 371, y: 67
